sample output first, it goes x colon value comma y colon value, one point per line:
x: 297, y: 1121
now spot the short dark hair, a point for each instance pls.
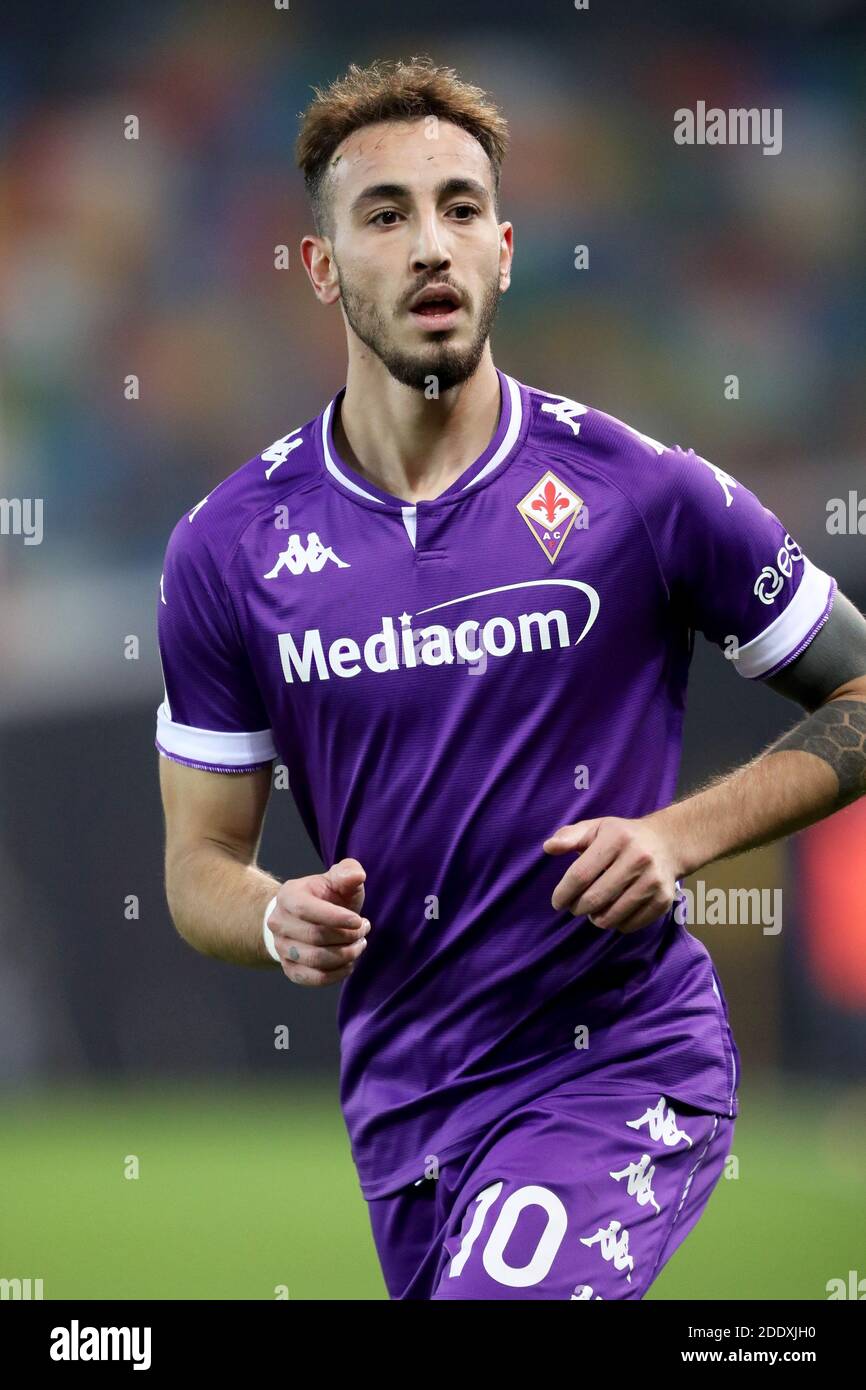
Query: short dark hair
x: 391, y: 90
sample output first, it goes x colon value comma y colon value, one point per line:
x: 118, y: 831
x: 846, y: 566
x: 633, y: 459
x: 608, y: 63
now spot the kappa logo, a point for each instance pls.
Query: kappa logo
x: 612, y: 1241
x: 640, y: 1178
x: 662, y: 1126
x: 296, y: 558
x: 277, y: 453
x: 549, y: 510
x: 724, y: 480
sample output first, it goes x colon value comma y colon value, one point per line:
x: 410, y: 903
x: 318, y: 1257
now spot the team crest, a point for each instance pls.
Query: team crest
x: 549, y: 510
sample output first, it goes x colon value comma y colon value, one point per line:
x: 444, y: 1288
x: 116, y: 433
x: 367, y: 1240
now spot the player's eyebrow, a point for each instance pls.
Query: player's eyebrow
x: 446, y: 189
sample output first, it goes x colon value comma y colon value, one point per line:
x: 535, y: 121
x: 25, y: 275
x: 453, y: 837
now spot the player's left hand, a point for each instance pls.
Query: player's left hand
x: 625, y: 875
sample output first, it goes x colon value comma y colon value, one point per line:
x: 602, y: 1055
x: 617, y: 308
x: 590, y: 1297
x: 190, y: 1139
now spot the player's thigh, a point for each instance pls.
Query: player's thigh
x: 580, y: 1198
x: 404, y: 1228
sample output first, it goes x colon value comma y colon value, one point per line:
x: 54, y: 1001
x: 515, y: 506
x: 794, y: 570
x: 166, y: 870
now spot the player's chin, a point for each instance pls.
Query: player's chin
x: 435, y: 337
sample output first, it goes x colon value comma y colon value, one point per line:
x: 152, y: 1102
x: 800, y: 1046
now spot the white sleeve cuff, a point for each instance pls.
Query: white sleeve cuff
x: 793, y: 630
x: 212, y: 748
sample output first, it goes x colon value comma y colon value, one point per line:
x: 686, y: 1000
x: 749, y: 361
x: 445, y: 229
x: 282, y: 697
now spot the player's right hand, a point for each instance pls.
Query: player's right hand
x: 318, y: 929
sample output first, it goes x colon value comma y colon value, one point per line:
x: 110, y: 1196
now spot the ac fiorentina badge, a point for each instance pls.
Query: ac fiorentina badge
x: 549, y: 510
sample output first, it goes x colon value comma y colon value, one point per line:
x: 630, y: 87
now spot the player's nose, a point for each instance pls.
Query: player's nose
x: 429, y: 252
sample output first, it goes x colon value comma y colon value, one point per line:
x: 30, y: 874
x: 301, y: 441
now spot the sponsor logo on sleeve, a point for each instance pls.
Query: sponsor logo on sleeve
x: 771, y: 581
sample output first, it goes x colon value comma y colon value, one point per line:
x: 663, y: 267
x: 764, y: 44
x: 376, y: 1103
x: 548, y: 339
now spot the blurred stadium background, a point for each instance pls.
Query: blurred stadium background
x: 156, y: 257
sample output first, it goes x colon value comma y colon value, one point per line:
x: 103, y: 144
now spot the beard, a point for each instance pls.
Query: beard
x: 436, y: 358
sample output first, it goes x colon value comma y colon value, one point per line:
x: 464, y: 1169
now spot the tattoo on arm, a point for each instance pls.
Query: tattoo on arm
x: 836, y: 733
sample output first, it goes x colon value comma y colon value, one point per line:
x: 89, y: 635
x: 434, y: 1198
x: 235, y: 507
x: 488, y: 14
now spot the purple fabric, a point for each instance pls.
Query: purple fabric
x: 556, y: 585
x: 573, y: 1197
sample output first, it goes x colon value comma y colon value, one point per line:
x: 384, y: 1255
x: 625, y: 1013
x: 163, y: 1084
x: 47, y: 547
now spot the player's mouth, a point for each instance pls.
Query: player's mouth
x: 436, y: 307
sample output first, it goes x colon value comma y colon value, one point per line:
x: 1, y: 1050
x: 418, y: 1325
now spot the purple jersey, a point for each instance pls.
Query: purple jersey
x: 449, y: 682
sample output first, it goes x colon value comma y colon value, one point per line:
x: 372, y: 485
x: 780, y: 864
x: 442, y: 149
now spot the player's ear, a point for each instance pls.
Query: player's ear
x: 317, y: 254
x: 506, y: 254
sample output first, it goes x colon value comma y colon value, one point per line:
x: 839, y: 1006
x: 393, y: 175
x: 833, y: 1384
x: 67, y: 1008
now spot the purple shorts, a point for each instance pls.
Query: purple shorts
x: 571, y: 1196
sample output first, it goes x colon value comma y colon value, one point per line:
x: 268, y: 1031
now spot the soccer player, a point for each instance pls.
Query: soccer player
x: 461, y: 610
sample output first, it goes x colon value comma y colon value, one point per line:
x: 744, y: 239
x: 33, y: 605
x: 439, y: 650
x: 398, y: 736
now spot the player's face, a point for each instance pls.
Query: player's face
x: 412, y: 211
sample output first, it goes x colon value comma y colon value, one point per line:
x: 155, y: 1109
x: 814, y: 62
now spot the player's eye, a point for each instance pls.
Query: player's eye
x: 386, y: 212
x: 466, y: 207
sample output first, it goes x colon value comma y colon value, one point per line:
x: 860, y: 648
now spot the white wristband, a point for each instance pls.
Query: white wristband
x: 267, y: 933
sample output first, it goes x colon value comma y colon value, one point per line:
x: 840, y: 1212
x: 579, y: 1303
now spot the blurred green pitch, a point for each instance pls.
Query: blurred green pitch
x: 244, y: 1188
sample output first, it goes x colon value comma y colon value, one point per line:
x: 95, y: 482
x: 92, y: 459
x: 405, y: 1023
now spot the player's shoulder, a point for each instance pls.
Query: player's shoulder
x: 210, y: 529
x: 630, y: 459
x: 567, y: 426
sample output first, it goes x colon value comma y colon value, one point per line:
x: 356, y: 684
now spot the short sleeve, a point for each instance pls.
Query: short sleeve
x: 732, y: 567
x: 212, y: 716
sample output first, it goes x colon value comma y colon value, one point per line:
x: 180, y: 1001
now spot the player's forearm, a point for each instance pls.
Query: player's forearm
x: 817, y: 768
x: 217, y: 903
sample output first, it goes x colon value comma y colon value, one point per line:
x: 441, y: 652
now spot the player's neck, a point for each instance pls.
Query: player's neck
x: 411, y: 446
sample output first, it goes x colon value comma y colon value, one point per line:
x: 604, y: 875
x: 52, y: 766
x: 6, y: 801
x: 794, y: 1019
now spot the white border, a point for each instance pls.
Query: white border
x: 213, y: 745
x: 502, y: 452
x: 331, y: 465
x: 509, y: 437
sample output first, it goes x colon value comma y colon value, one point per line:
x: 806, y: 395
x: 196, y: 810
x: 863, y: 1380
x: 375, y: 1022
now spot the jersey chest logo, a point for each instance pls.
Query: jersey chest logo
x: 296, y: 558
x: 549, y: 510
